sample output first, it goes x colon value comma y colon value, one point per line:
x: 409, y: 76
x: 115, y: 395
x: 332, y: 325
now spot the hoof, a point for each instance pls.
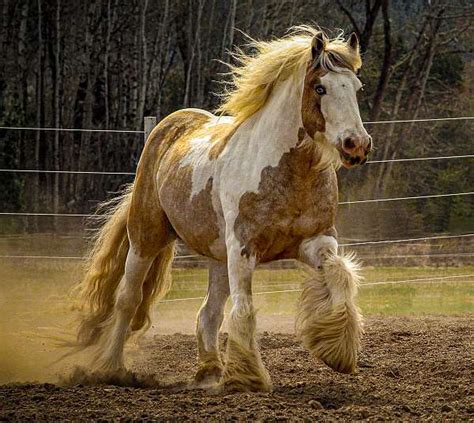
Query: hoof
x: 246, y: 378
x: 208, y: 375
x: 244, y: 384
x: 244, y: 370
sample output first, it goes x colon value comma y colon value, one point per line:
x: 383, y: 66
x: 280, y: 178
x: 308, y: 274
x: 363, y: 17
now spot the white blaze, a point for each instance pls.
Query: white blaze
x: 339, y: 105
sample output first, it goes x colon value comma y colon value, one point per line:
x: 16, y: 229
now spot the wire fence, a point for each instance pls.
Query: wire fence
x: 90, y: 172
x: 195, y: 258
x: 341, y: 203
x: 32, y: 128
x: 444, y: 279
x: 128, y: 131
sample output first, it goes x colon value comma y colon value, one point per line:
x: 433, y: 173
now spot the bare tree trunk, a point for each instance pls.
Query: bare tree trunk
x: 83, y: 100
x: 39, y: 111
x: 388, y: 134
x: 106, y: 65
x: 414, y: 101
x: 426, y: 73
x: 232, y: 23
x: 22, y: 60
x: 187, y: 92
x: 224, y: 36
x: 371, y: 13
x: 57, y: 84
x: 159, y: 55
x: 206, y: 68
x: 5, y: 21
x: 134, y: 71
x: 386, y: 71
x: 250, y: 14
x: 143, y: 65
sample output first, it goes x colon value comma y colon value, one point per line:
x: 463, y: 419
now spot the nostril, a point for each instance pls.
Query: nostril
x: 348, y: 144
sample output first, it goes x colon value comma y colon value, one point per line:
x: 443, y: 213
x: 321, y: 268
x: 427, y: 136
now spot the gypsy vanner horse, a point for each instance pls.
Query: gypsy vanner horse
x: 252, y: 184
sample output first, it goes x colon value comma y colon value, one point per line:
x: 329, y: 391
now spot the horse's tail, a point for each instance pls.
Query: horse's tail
x: 329, y: 323
x: 104, y: 270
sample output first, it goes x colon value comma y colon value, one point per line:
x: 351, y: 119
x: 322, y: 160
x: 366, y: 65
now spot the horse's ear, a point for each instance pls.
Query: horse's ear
x: 353, y: 41
x: 318, y: 44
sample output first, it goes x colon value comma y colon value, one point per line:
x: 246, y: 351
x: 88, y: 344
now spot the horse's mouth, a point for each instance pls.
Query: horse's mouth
x: 349, y: 161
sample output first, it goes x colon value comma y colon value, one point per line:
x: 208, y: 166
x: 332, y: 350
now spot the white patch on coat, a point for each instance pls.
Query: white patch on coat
x: 198, y: 157
x: 339, y: 105
x: 203, y: 168
x: 258, y: 143
x: 310, y: 248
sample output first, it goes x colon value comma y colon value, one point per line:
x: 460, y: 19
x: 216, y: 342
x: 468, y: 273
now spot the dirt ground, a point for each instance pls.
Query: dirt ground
x: 410, y: 369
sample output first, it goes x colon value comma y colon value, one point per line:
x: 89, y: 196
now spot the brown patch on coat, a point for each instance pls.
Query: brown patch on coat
x: 294, y: 201
x: 193, y: 218
x: 313, y: 119
x: 148, y: 225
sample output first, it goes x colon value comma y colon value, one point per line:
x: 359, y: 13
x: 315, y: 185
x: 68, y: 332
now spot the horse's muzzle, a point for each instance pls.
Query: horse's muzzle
x: 355, y: 150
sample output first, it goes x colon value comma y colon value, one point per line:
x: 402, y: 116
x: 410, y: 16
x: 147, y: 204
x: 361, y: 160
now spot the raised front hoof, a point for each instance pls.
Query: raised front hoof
x: 208, y: 376
x: 341, y: 356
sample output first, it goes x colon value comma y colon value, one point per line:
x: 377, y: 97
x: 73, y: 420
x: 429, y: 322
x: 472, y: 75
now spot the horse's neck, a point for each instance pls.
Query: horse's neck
x: 266, y: 139
x: 278, y: 129
x: 274, y: 129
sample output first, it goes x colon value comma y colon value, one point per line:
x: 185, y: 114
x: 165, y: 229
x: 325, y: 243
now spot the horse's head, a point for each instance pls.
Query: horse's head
x: 329, y: 104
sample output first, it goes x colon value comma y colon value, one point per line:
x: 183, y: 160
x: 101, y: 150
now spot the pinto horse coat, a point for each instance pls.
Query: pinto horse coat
x: 253, y: 187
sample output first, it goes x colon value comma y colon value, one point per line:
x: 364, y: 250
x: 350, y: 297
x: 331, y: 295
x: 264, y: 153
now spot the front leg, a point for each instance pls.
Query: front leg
x: 314, y: 250
x: 329, y: 323
x: 244, y: 370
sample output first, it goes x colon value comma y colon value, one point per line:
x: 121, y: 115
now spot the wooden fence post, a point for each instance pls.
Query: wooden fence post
x: 149, y: 122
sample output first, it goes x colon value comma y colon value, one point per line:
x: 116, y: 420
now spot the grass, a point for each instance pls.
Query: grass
x: 35, y: 307
x: 39, y: 281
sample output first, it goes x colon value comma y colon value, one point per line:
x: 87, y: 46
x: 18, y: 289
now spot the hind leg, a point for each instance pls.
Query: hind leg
x: 128, y: 297
x: 209, y: 321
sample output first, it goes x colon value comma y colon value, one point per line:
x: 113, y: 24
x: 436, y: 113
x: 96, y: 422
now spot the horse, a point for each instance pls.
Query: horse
x: 253, y: 183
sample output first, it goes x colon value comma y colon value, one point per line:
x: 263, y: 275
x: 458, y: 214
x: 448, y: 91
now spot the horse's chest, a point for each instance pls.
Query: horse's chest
x: 293, y: 202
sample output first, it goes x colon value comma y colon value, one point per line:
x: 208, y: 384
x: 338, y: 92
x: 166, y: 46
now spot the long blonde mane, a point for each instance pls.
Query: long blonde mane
x: 255, y: 75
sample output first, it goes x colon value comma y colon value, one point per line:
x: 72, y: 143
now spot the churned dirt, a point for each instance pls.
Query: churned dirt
x: 410, y: 369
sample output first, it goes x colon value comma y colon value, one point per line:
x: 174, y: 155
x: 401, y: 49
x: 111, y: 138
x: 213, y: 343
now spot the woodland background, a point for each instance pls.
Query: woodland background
x: 108, y: 63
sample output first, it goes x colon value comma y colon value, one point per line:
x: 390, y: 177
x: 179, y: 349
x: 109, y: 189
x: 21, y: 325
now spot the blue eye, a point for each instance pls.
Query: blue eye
x: 320, y: 89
